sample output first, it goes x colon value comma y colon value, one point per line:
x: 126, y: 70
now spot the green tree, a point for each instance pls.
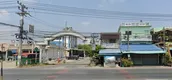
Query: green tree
x: 86, y: 48
x: 89, y: 51
x: 167, y: 59
x: 93, y: 54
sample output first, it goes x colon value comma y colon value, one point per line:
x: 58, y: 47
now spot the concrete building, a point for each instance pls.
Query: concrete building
x: 161, y: 36
x: 139, y: 47
x: 111, y: 53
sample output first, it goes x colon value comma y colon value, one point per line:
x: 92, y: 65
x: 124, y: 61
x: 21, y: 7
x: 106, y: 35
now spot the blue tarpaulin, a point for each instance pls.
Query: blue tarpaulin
x: 110, y: 52
x: 139, y: 49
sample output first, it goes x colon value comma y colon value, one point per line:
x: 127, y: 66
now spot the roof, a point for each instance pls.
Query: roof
x: 141, y: 49
x: 159, y: 29
x: 110, y: 52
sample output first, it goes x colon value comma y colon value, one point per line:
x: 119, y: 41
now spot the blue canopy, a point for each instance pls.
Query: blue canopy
x: 141, y: 49
x: 110, y: 52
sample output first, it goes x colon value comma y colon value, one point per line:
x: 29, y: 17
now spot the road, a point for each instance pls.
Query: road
x: 80, y: 72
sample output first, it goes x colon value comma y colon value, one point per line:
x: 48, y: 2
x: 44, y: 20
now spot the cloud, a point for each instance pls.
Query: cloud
x: 85, y: 23
x: 104, y: 3
x: 4, y: 12
x: 4, y: 15
x: 30, y: 0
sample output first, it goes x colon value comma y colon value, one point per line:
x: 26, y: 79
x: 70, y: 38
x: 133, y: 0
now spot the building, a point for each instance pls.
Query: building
x: 162, y: 35
x: 136, y: 44
x: 111, y: 53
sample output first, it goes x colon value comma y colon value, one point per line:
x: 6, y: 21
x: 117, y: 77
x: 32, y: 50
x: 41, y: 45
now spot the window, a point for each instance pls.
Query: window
x: 112, y: 40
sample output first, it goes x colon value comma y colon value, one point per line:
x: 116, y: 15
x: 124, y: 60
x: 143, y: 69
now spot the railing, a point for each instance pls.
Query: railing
x: 137, y: 37
x: 110, y: 45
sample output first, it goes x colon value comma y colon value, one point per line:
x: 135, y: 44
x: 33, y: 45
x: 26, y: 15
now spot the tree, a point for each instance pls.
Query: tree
x: 89, y: 51
x: 93, y: 54
x: 86, y: 48
x: 167, y: 59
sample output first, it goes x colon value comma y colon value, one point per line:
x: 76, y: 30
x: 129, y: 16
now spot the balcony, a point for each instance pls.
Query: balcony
x: 110, y: 45
x: 137, y: 38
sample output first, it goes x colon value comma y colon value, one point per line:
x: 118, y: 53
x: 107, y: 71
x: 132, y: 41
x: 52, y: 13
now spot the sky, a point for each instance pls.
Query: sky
x: 87, y: 24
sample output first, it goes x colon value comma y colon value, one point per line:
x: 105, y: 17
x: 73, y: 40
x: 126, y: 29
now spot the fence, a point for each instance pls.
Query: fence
x: 28, y: 61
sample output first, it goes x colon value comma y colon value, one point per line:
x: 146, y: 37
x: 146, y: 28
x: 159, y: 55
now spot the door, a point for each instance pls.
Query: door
x: 137, y: 59
x: 150, y: 59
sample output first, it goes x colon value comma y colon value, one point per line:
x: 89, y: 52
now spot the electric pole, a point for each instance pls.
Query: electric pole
x: 23, y: 13
x: 128, y: 33
x: 2, y: 50
x: 93, y: 36
x: 164, y: 38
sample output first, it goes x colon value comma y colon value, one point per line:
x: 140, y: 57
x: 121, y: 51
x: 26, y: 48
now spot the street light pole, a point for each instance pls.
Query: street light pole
x: 1, y: 68
x: 2, y: 49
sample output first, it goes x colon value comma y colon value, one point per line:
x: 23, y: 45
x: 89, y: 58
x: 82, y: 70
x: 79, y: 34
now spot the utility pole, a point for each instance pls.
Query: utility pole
x: 2, y: 49
x: 23, y: 13
x: 93, y: 36
x: 128, y: 33
x: 164, y: 38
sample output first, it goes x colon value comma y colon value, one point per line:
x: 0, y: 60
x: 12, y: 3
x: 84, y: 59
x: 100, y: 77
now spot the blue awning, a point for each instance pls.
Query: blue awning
x: 110, y: 52
x: 141, y: 49
x: 14, y: 51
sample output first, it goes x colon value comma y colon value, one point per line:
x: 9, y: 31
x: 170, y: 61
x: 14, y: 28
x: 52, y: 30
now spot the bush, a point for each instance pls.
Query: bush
x: 167, y: 59
x: 126, y: 62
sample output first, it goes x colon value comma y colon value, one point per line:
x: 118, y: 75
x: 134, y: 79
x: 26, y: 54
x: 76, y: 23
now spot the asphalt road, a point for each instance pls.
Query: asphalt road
x: 78, y: 72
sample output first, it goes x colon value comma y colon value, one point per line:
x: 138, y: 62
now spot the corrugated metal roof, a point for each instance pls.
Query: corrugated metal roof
x: 110, y: 52
x: 149, y: 49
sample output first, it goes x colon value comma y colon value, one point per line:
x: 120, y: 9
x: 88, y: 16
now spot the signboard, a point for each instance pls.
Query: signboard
x: 31, y: 28
x: 135, y: 24
x: 36, y: 50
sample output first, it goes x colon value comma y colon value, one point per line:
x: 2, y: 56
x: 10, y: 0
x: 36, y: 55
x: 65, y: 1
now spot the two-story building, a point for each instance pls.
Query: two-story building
x: 136, y: 44
x: 111, y: 52
x: 161, y: 36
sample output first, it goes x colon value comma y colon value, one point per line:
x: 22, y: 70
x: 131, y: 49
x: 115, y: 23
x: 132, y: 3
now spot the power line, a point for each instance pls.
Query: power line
x: 104, y: 17
x: 9, y: 24
x: 44, y: 22
x: 7, y: 2
x: 78, y: 13
x: 50, y: 6
x: 8, y: 7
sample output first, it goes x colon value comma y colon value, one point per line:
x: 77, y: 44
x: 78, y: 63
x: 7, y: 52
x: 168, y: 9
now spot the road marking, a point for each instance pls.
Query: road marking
x: 51, y: 77
x: 62, y: 71
x: 156, y: 79
x: 126, y: 74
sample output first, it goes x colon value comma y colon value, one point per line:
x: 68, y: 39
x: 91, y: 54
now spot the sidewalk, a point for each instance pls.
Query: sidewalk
x: 79, y: 61
x: 9, y: 64
x: 135, y: 67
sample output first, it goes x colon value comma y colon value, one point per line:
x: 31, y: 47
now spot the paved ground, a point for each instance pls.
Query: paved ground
x: 77, y: 70
x: 9, y: 64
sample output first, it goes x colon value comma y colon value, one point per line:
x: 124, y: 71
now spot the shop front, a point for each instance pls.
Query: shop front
x: 111, y: 57
x: 144, y: 54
